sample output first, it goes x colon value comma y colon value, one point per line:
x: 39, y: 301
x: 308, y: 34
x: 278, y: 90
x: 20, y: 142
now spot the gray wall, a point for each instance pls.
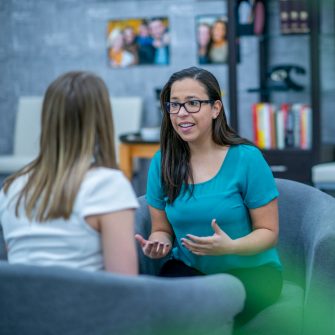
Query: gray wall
x: 41, y: 39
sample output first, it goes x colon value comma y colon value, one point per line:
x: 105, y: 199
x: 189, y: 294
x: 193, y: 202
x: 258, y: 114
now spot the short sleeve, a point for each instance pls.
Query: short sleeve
x: 105, y: 191
x: 259, y: 185
x: 155, y: 195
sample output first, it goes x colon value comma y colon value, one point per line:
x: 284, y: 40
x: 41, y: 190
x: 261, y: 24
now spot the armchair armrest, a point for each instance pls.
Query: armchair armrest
x: 80, y: 302
x: 320, y: 271
x: 12, y: 163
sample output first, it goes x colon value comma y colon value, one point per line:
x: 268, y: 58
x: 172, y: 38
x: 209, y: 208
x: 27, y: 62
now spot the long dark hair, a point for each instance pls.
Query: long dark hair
x: 175, y: 153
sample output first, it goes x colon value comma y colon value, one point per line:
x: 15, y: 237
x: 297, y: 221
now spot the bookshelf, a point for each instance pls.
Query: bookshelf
x: 285, y: 88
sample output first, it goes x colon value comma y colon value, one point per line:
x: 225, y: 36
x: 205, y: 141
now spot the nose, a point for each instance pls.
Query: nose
x: 182, y: 111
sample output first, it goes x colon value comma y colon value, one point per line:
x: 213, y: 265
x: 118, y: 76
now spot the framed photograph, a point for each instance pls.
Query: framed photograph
x: 138, y: 41
x: 212, y: 39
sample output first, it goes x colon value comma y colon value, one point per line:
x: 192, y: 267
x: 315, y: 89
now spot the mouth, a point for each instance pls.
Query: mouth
x: 185, y: 125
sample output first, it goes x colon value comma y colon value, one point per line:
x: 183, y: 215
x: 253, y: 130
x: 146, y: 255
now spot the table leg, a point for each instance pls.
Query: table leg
x: 126, y: 161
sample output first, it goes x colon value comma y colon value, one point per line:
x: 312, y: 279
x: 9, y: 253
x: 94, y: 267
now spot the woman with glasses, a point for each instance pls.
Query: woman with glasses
x: 211, y: 195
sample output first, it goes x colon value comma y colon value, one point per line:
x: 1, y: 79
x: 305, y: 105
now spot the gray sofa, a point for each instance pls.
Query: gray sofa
x: 60, y: 301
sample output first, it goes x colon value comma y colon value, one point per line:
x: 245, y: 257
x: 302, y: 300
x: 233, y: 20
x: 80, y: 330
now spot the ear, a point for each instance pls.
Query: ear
x: 216, y: 109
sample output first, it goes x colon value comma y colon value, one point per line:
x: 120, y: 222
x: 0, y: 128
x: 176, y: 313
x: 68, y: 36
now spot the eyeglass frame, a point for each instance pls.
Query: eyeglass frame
x: 183, y: 104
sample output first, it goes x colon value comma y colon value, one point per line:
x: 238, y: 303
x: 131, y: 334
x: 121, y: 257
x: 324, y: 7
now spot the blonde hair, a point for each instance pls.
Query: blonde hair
x: 77, y: 129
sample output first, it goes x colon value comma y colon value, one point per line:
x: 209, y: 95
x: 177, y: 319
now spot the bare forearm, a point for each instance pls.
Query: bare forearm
x: 253, y: 243
x: 127, y: 266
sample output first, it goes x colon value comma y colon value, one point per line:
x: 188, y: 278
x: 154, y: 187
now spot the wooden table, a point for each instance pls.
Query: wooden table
x: 134, y: 146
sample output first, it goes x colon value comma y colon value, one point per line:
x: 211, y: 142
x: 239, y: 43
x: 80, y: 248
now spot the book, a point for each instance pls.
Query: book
x: 280, y: 129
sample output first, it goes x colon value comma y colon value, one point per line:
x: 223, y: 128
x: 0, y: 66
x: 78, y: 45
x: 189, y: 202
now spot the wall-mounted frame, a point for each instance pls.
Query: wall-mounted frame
x: 212, y: 39
x: 138, y: 41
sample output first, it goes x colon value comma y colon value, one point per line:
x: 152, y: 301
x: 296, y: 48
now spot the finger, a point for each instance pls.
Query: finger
x: 188, y: 243
x: 140, y: 239
x: 195, y: 247
x: 147, y: 249
x: 160, y: 248
x: 166, y: 249
x: 216, y: 227
x: 199, y: 240
x: 199, y: 253
x: 195, y: 250
x: 153, y: 252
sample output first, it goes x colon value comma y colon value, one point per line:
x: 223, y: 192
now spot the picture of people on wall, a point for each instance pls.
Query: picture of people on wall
x: 138, y: 42
x: 212, y: 39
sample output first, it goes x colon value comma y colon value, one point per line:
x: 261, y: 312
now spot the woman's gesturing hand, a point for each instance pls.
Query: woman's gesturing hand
x: 217, y: 244
x: 153, y: 249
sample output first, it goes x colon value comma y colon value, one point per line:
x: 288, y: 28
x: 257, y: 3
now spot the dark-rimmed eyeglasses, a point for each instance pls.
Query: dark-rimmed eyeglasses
x: 191, y: 106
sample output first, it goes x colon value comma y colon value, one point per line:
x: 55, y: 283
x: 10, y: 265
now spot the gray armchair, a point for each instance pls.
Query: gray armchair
x: 60, y: 301
x: 307, y: 249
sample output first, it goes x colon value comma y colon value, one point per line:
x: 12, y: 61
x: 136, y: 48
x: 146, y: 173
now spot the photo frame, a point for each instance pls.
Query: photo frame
x: 138, y: 41
x: 212, y: 39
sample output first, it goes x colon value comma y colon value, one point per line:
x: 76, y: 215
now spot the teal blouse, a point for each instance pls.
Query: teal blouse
x: 243, y: 181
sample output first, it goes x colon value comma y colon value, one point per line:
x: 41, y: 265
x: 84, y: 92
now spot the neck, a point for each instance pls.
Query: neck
x: 203, y: 148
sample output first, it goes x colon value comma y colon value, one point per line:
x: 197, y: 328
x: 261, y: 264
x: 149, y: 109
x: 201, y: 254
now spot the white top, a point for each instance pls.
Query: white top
x: 73, y: 242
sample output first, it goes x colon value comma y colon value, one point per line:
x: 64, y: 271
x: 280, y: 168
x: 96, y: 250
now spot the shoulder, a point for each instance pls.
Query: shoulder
x: 247, y: 151
x: 105, y: 190
x: 157, y: 156
x: 101, y: 177
x: 156, y: 160
x: 248, y: 157
x: 98, y: 173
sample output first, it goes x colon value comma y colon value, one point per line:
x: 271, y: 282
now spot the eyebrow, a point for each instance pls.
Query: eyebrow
x: 187, y: 98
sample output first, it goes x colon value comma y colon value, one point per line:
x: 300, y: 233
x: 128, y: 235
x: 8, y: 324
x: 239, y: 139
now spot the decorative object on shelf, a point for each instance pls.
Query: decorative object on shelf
x: 279, y: 78
x: 138, y: 41
x: 294, y: 17
x: 250, y: 17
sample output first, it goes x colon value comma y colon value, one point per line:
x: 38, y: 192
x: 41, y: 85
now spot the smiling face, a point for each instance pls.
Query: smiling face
x: 219, y: 31
x: 193, y: 127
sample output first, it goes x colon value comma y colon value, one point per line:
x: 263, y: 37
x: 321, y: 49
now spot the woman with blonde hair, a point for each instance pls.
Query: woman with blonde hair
x: 71, y: 206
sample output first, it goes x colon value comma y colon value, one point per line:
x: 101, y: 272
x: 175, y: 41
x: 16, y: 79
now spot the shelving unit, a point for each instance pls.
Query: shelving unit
x: 290, y: 163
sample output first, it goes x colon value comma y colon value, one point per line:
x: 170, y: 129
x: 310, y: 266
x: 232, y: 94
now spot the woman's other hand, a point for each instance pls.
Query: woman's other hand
x: 153, y: 249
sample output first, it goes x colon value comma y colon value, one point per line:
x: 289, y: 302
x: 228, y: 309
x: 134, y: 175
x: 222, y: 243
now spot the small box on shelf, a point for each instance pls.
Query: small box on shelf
x: 294, y: 17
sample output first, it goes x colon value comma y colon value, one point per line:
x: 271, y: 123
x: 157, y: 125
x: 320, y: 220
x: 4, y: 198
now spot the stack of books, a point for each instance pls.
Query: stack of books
x: 286, y: 126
